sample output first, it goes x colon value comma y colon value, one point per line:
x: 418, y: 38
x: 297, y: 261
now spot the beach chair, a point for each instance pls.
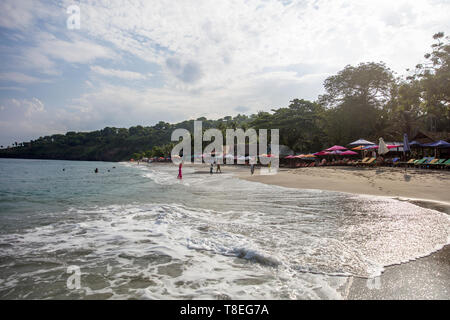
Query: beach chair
x: 362, y: 161
x: 446, y: 164
x: 438, y: 164
x: 417, y: 163
x: 371, y: 162
x: 402, y: 163
x: 422, y: 164
x: 407, y: 163
x: 430, y: 163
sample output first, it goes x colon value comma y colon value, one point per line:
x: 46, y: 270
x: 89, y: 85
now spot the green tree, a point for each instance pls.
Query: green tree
x: 356, y: 99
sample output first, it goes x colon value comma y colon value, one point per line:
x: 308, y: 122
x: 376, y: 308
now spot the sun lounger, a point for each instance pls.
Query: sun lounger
x: 430, y: 164
x: 438, y: 164
x: 404, y: 163
x: 419, y: 162
x: 425, y: 163
x: 446, y: 164
x: 362, y: 161
x: 370, y: 162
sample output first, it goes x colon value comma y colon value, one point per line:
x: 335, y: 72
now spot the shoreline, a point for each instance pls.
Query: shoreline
x: 413, y: 185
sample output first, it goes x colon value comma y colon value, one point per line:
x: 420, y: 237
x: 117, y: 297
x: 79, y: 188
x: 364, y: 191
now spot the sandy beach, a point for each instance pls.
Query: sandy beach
x: 385, y: 181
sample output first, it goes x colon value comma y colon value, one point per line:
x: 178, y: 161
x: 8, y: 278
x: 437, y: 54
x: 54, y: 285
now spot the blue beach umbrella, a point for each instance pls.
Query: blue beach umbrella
x: 437, y: 144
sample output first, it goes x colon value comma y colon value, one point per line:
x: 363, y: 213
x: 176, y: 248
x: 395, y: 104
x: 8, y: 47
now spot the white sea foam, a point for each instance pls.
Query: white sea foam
x: 267, y: 242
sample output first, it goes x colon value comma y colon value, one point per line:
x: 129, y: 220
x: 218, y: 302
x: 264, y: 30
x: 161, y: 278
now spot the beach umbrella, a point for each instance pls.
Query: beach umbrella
x: 414, y: 144
x: 348, y: 153
x: 336, y: 148
x: 289, y: 157
x: 406, y: 147
x: 358, y: 148
x: 382, y: 147
x: 360, y: 142
x: 392, y: 146
x: 322, y: 153
x: 309, y: 156
x: 437, y: 144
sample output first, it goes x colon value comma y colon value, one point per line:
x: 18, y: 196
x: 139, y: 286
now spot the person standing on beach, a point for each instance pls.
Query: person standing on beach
x: 252, y: 168
x: 180, y: 174
x: 211, y: 168
x: 218, y: 168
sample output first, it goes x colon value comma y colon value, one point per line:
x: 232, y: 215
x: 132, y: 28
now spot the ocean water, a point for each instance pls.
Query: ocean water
x: 136, y: 232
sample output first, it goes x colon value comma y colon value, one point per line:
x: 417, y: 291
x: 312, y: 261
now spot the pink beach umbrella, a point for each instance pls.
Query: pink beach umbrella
x: 349, y: 153
x: 336, y: 148
x: 322, y: 153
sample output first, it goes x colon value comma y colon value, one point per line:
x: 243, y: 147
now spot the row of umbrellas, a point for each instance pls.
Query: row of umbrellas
x: 360, y: 144
x: 382, y: 147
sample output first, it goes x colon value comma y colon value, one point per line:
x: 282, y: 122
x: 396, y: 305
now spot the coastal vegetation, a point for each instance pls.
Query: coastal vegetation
x: 367, y: 100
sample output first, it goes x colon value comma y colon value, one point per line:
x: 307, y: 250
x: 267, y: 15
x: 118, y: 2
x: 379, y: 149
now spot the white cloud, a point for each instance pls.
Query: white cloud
x: 22, y: 14
x: 18, y: 77
x: 123, y: 74
x: 27, y: 107
x: 75, y: 51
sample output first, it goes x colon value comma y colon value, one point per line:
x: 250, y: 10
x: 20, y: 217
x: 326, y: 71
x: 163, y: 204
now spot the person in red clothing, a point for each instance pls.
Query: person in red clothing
x: 180, y: 174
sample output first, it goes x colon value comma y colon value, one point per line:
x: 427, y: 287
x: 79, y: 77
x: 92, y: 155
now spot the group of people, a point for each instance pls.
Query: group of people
x: 211, y: 168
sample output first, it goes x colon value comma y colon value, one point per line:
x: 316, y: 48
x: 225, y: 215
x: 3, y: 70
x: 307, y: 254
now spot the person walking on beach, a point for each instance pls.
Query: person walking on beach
x: 252, y: 168
x: 211, y: 168
x: 218, y: 168
x: 180, y: 174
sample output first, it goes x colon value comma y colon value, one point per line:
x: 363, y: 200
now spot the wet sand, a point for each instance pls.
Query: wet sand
x: 392, y: 182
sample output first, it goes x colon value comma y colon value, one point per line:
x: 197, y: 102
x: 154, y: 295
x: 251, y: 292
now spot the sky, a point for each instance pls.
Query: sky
x: 139, y: 62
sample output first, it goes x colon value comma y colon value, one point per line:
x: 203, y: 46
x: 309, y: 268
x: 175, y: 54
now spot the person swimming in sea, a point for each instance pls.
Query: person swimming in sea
x: 180, y: 174
x: 96, y: 170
